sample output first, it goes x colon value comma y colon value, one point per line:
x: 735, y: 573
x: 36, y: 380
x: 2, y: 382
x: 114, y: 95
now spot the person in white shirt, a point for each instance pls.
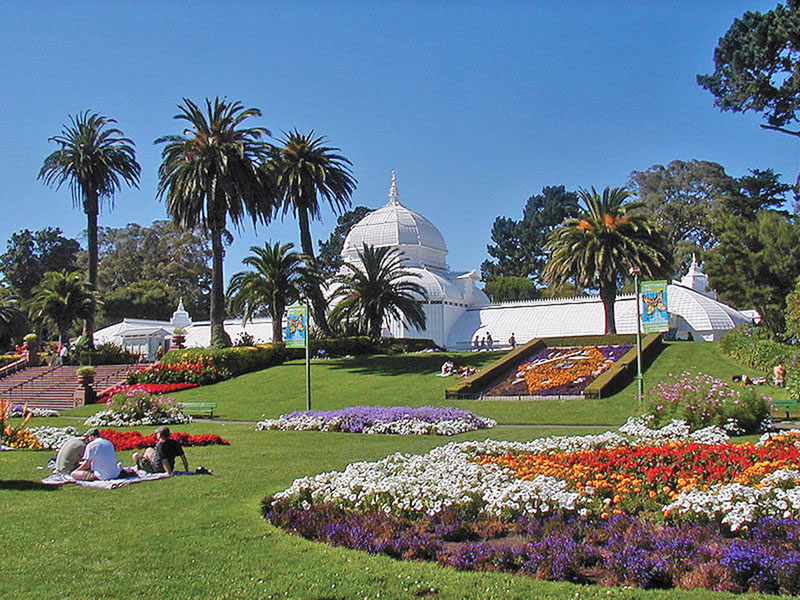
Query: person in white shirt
x: 99, y: 459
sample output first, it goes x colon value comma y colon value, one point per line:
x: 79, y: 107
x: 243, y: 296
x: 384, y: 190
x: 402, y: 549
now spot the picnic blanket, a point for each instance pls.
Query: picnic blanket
x: 108, y: 484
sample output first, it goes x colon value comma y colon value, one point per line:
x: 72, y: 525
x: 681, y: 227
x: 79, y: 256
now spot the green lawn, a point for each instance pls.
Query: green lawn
x: 411, y: 380
x: 202, y: 537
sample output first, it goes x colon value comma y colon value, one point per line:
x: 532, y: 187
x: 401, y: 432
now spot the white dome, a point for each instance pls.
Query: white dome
x: 399, y: 227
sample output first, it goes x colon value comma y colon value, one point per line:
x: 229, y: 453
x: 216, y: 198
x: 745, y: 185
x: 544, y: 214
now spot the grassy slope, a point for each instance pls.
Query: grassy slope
x: 202, y: 537
x: 411, y: 380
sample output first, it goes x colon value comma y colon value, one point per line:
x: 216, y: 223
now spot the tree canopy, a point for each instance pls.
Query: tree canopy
x: 29, y: 255
x: 757, y: 67
x: 519, y: 246
x: 329, y: 259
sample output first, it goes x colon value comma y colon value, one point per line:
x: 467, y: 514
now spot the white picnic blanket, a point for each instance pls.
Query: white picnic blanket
x: 108, y: 484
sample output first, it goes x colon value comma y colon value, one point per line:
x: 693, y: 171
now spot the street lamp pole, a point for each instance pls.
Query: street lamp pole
x: 635, y: 271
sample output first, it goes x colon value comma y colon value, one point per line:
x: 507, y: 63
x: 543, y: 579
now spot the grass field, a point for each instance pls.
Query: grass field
x: 203, y: 537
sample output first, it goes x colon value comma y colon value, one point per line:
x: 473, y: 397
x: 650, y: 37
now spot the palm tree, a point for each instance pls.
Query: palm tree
x: 599, y: 248
x: 273, y: 284
x: 60, y: 299
x: 306, y: 171
x: 13, y: 321
x: 210, y: 174
x: 96, y: 159
x: 377, y: 288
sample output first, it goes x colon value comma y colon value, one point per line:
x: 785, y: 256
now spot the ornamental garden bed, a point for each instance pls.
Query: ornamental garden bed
x: 647, y: 508
x: 561, y: 368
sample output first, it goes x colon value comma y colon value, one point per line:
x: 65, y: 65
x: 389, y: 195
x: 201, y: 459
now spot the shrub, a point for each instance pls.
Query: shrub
x: 86, y: 371
x: 139, y: 408
x: 31, y: 338
x: 236, y: 361
x: 754, y: 347
x: 108, y: 354
x: 7, y: 359
x: 702, y: 400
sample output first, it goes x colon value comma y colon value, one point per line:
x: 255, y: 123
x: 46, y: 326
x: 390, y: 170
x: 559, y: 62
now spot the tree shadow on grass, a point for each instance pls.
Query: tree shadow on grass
x: 22, y: 485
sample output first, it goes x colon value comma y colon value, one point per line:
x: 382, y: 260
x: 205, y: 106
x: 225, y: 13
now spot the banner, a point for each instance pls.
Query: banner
x: 654, y: 306
x: 296, y: 326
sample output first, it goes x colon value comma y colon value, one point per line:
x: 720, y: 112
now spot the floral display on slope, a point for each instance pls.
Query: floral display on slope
x: 201, y: 371
x: 681, y: 508
x: 400, y: 420
x: 151, y: 388
x: 139, y: 408
x: 560, y: 371
x: 130, y: 440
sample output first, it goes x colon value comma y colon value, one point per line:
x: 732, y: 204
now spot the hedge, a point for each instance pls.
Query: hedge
x: 237, y: 360
x: 362, y: 345
x: 752, y: 346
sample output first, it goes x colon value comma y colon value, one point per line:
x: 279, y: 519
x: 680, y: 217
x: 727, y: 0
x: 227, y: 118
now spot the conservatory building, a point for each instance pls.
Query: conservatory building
x: 456, y: 309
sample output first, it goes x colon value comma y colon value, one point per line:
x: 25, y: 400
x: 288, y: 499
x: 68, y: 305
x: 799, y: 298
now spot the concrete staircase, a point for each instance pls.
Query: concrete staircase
x: 54, y: 387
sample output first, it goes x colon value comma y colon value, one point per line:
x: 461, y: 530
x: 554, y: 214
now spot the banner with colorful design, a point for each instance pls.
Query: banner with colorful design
x: 296, y: 326
x: 654, y: 306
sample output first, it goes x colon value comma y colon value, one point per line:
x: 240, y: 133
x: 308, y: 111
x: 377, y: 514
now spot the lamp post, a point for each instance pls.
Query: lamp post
x: 635, y: 271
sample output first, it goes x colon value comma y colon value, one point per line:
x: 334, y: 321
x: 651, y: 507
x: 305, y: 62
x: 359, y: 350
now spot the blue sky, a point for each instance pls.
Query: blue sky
x: 476, y: 105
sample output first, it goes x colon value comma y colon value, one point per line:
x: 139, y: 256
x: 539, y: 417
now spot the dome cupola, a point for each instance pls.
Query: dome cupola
x: 397, y: 226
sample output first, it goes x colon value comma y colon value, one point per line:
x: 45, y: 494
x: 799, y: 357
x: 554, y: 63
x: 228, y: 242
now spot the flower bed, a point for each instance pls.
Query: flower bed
x: 19, y: 410
x: 401, y: 420
x: 651, y: 508
x: 201, y: 371
x: 139, y: 408
x: 560, y: 371
x: 52, y: 438
x: 150, y: 388
x: 129, y: 440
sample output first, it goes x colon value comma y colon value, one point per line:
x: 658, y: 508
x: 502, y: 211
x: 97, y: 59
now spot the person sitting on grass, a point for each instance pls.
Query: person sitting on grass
x: 99, y: 459
x: 161, y: 459
x: 70, y: 455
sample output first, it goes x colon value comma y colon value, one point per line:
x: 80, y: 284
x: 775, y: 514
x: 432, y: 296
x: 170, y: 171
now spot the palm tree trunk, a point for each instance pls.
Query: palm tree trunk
x: 91, y: 234
x: 219, y: 338
x: 608, y: 294
x: 318, y: 305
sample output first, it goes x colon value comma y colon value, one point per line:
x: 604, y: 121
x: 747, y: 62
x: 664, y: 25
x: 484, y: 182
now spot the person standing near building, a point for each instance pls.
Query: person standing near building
x: 512, y: 341
x: 489, y: 341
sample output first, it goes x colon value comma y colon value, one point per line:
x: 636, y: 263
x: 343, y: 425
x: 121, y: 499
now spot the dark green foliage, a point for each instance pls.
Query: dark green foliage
x: 375, y: 288
x: 237, y: 360
x: 598, y: 249
x: 29, y: 255
x: 175, y: 259
x: 107, y: 354
x: 757, y: 67
x: 60, y: 300
x: 95, y: 159
x: 506, y: 289
x: 757, y: 191
x: 211, y: 173
x: 681, y: 199
x: 363, y: 346
x: 755, y: 347
x: 329, y: 259
x: 519, y: 246
x: 755, y: 263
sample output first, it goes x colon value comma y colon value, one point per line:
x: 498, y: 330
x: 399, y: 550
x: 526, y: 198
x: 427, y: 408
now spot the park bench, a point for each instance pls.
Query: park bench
x: 199, y: 408
x: 787, y: 404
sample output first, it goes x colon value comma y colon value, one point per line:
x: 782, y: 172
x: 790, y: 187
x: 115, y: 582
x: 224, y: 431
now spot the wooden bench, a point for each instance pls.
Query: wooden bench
x: 787, y: 404
x: 199, y: 408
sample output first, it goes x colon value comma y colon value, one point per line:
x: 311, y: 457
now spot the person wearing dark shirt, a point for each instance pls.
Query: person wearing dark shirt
x: 161, y: 459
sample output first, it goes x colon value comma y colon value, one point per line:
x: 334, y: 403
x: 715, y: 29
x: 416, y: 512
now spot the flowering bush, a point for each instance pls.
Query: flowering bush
x: 19, y: 410
x: 151, y: 388
x: 16, y: 437
x: 753, y: 346
x: 129, y: 440
x: 702, y: 400
x: 560, y: 371
x: 201, y: 371
x: 139, y: 408
x: 402, y: 420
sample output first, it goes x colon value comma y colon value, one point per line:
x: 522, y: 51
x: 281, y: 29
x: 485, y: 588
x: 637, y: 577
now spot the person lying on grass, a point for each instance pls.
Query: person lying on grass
x: 99, y: 459
x: 161, y: 459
